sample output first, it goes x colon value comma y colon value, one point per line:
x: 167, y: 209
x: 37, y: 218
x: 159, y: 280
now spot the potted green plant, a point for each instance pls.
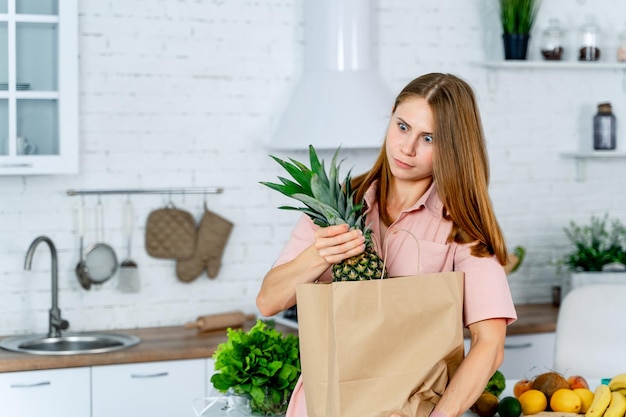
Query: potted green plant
x: 598, y: 253
x: 517, y: 18
x: 261, y: 364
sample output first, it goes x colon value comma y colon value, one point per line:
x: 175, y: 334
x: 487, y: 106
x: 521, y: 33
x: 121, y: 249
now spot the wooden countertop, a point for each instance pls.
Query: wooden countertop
x: 532, y: 318
x: 157, y: 344
x: 177, y: 342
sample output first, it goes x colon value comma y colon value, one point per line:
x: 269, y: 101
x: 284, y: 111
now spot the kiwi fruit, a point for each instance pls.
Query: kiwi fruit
x: 486, y: 405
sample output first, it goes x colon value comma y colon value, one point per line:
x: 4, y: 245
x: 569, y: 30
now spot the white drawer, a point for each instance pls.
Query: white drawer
x: 159, y: 389
x: 526, y: 356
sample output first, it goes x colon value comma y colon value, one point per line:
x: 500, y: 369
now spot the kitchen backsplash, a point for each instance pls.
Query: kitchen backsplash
x: 182, y: 94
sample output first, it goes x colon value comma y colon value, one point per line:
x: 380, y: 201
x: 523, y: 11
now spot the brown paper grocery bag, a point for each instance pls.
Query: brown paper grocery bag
x: 373, y: 348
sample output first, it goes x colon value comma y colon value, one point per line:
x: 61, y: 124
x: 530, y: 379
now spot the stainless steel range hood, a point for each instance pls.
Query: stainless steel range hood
x: 340, y: 98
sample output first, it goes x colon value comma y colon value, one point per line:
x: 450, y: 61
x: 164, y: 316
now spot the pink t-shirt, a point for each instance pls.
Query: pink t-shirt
x: 486, y: 289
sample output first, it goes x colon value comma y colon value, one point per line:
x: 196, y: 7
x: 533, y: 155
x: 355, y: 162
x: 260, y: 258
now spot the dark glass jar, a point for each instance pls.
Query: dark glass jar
x: 604, y: 127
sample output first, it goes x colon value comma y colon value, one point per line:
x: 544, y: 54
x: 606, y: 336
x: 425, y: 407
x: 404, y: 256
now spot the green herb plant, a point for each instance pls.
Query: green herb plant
x: 596, y: 244
x: 518, y: 16
x: 261, y: 364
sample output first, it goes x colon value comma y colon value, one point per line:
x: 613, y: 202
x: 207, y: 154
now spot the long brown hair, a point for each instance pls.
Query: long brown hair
x: 460, y: 164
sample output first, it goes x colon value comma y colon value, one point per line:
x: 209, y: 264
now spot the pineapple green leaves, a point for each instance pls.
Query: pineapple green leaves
x: 327, y: 202
x: 330, y: 202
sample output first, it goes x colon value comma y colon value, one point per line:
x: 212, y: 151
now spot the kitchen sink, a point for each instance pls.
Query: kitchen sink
x: 69, y: 343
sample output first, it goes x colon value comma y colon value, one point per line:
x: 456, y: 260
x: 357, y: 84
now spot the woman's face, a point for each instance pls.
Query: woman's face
x: 409, y: 141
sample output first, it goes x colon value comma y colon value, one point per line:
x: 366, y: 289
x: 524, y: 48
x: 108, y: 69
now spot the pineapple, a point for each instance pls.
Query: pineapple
x: 329, y: 203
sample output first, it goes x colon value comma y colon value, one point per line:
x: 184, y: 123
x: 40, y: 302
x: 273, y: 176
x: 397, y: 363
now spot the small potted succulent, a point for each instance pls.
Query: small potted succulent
x: 262, y: 365
x: 517, y: 18
x: 598, y: 253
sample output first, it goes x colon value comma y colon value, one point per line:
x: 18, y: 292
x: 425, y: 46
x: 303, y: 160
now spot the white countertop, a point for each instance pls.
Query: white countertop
x: 219, y: 405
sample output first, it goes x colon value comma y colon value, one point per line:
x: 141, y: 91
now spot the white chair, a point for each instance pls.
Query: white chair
x: 591, y: 332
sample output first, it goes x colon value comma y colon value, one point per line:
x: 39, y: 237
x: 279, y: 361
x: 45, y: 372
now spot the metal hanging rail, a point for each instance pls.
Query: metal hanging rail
x: 191, y: 190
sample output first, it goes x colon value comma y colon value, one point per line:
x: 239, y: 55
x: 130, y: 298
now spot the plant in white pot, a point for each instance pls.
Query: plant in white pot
x: 598, y: 254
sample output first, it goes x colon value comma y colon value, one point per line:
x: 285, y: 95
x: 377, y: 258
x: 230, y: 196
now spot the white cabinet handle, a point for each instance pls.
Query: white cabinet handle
x: 157, y: 375
x: 16, y: 165
x: 36, y: 384
x: 519, y: 346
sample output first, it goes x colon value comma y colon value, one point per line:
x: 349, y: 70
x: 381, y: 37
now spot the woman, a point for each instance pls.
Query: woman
x: 431, y: 178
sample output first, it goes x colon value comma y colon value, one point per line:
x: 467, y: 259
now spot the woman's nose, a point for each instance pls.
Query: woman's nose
x: 408, y: 146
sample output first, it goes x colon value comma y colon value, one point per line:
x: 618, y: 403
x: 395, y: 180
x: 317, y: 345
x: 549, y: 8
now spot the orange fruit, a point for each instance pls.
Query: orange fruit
x: 521, y: 387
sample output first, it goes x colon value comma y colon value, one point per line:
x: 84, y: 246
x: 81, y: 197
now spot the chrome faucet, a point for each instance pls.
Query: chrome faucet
x: 56, y: 323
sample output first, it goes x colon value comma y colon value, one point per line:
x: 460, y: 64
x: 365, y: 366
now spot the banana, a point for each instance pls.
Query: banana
x: 621, y: 391
x: 617, y: 407
x: 601, y: 401
x: 617, y: 382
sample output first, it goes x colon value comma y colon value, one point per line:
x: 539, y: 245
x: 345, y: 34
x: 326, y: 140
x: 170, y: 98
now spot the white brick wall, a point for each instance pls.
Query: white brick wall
x: 182, y: 92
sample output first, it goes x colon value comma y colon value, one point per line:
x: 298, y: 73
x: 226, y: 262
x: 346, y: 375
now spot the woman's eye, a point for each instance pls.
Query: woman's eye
x: 428, y: 139
x: 403, y: 127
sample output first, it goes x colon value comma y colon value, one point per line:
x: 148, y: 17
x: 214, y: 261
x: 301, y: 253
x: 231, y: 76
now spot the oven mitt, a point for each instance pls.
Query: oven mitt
x: 170, y: 234
x: 211, y: 238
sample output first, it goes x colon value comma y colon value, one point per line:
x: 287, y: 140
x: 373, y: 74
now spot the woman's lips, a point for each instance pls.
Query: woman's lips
x: 401, y: 164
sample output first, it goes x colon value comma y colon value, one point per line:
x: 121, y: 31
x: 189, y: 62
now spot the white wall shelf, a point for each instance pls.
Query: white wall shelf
x: 569, y: 65
x: 498, y: 65
x: 581, y: 158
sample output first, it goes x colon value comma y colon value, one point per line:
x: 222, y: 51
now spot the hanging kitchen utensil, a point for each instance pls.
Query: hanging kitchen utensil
x: 128, y: 278
x: 211, y: 239
x: 99, y: 258
x: 81, y: 268
x: 170, y: 233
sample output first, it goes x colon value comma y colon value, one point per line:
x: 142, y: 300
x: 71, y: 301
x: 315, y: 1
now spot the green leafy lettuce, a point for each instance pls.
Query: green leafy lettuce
x: 261, y: 364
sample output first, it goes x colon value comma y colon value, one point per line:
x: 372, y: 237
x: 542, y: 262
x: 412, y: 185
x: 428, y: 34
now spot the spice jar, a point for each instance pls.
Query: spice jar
x: 621, y: 46
x: 552, y: 43
x: 604, y: 126
x: 589, y: 50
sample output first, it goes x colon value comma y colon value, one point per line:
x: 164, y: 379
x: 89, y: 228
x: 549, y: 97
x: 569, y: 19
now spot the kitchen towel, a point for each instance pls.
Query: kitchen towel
x: 170, y: 234
x: 211, y: 239
x: 373, y: 348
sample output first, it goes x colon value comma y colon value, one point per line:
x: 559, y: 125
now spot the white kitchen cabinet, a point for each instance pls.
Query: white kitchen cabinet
x: 38, y: 87
x: 526, y: 355
x: 51, y: 393
x: 155, y: 389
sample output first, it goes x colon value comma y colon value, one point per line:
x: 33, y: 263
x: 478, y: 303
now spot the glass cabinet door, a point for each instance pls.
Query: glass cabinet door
x: 38, y: 87
x: 36, y: 70
x: 37, y: 7
x: 40, y: 137
x: 4, y: 84
x: 36, y: 56
x: 4, y: 127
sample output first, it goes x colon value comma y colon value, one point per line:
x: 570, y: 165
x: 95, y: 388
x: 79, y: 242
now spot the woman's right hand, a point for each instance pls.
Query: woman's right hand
x: 336, y: 243
x: 331, y: 245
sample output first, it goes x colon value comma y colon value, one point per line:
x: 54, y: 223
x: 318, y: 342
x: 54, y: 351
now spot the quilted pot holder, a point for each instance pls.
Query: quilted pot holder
x: 170, y: 234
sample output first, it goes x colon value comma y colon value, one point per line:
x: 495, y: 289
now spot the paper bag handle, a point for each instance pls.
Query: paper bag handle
x: 396, y: 230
